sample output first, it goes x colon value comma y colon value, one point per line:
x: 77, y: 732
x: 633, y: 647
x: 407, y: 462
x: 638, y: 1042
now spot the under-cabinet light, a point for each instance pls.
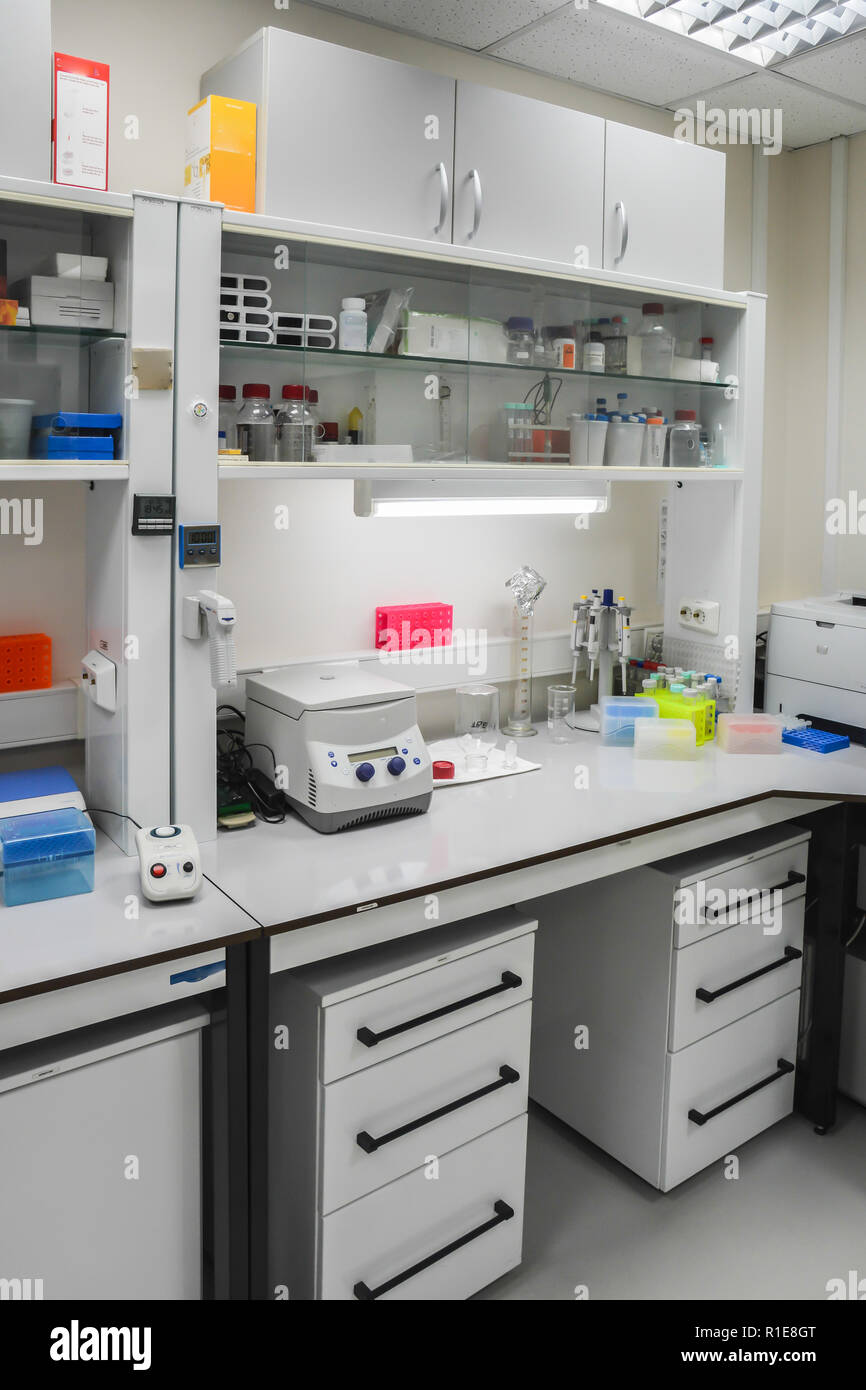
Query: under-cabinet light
x: 447, y: 497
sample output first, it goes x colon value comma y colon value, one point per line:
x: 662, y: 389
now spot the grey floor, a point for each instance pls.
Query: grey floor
x: 794, y: 1219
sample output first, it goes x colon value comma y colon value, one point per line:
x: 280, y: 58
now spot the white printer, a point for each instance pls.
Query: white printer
x: 816, y: 660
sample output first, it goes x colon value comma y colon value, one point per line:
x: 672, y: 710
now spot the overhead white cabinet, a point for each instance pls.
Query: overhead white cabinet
x: 528, y: 177
x: 345, y: 138
x: 664, y: 207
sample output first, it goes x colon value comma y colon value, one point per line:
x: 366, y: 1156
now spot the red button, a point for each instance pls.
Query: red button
x: 157, y: 871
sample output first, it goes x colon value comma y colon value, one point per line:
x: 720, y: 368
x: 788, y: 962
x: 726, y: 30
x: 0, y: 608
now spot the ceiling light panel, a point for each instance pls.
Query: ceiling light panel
x: 761, y: 31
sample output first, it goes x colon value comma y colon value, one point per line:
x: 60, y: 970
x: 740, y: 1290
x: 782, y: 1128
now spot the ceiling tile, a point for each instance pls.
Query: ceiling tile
x: 469, y: 23
x: 602, y: 48
x: 807, y: 116
x: 839, y: 68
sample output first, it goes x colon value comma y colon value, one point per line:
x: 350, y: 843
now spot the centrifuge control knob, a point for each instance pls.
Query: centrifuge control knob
x: 364, y: 771
x: 396, y: 766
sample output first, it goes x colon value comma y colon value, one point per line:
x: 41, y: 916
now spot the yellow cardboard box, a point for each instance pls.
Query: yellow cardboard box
x: 221, y: 153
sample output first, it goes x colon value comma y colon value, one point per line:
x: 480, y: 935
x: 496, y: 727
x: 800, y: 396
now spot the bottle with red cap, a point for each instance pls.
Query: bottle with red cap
x: 290, y: 426
x: 256, y: 427
x: 685, y: 440
x: 228, y: 418
x: 657, y: 343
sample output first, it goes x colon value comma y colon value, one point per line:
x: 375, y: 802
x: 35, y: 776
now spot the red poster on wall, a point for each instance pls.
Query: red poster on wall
x: 80, y: 125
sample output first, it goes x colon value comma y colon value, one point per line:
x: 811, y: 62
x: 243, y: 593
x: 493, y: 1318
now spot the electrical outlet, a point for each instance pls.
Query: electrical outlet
x: 702, y: 614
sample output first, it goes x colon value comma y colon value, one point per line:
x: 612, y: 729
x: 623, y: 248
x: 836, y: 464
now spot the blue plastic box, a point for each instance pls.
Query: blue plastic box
x: 618, y: 714
x: 48, y: 854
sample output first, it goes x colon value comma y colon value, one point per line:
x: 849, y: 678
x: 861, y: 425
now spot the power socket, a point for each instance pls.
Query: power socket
x: 702, y: 614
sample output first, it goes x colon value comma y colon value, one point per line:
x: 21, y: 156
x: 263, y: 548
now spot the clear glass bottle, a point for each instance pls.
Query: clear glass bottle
x: 520, y: 333
x: 228, y: 417
x: 657, y: 343
x: 256, y: 425
x: 616, y: 345
x: 685, y: 440
x: 290, y: 426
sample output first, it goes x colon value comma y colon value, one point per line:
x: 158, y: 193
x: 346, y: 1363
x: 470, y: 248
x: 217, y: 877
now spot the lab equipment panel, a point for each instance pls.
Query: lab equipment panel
x: 644, y: 1033
x: 199, y: 546
x: 71, y: 1109
x: 351, y: 1137
x: 373, y: 139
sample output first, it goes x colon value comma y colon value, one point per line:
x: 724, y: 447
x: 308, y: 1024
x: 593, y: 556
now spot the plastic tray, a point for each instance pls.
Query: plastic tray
x: 816, y: 740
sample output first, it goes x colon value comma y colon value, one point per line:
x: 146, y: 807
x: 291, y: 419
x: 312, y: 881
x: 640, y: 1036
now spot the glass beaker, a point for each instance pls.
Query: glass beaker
x: 560, y: 708
x: 477, y: 723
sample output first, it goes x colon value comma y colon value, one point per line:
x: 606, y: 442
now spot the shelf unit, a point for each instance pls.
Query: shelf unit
x: 76, y: 471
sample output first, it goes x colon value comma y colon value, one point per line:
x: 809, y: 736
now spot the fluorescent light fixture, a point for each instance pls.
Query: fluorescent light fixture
x: 763, y: 32
x: 399, y: 498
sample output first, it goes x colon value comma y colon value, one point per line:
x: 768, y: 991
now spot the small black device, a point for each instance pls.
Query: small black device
x: 153, y: 516
x: 198, y: 546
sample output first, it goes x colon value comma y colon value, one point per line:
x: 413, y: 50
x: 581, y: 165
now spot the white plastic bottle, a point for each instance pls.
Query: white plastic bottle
x: 353, y: 326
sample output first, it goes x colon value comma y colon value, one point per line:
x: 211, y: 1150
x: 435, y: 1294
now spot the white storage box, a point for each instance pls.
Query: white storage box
x: 58, y: 301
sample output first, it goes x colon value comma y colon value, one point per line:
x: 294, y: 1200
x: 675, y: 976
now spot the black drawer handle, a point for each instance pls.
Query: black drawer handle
x: 369, y: 1038
x: 793, y: 877
x: 708, y: 995
x: 507, y: 1077
x: 785, y: 1068
x: 503, y: 1213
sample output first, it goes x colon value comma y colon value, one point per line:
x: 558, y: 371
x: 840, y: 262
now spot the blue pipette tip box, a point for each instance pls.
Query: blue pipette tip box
x: 816, y: 740
x: 47, y: 854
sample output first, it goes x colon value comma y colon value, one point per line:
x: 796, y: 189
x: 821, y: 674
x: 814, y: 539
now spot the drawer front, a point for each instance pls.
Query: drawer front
x: 380, y: 1240
x: 718, y: 1070
x: 721, y: 967
x: 750, y: 890
x: 386, y: 1120
x: 456, y: 994
x: 77, y: 1006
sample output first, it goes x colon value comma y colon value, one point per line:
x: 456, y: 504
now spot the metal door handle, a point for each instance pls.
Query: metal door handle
x: 365, y: 1141
x: 503, y: 1212
x: 793, y: 877
x: 707, y: 996
x: 619, y: 211
x: 478, y: 195
x: 699, y: 1117
x: 508, y: 980
x: 443, y: 196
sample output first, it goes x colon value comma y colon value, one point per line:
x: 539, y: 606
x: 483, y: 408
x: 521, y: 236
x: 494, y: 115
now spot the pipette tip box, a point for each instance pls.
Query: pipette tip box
x: 618, y: 716
x: 47, y: 854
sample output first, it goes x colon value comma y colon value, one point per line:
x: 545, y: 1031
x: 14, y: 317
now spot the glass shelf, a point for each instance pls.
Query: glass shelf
x: 44, y: 330
x: 377, y: 360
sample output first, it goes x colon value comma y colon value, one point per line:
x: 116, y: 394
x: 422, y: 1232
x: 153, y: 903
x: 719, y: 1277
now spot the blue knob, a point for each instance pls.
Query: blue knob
x: 364, y: 771
x: 396, y: 766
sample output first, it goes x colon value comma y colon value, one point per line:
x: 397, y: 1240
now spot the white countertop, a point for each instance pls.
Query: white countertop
x: 287, y: 875
x: 66, y: 940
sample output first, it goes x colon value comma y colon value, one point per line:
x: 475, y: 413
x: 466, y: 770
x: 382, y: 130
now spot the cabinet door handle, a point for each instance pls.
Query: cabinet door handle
x: 369, y: 1038
x: 713, y: 913
x: 365, y: 1141
x: 707, y: 996
x: 503, y: 1213
x: 198, y: 972
x: 700, y: 1117
x: 443, y: 196
x: 620, y: 212
x: 478, y: 197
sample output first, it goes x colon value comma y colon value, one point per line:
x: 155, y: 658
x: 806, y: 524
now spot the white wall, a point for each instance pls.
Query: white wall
x: 42, y: 586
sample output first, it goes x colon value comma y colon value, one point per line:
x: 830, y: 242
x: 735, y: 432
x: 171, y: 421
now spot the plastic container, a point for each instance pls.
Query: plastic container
x: 15, y: 421
x: 578, y: 431
x: 624, y: 443
x: 593, y: 353
x: 560, y: 708
x: 657, y: 344
x: 749, y: 733
x: 520, y: 334
x: 596, y: 435
x: 228, y: 418
x: 518, y: 431
x: 672, y: 739
x: 47, y: 854
x: 353, y: 326
x: 620, y: 714
x: 815, y: 740
x: 290, y: 424
x: 654, y: 440
x: 256, y: 426
x: 685, y: 440
x: 25, y: 662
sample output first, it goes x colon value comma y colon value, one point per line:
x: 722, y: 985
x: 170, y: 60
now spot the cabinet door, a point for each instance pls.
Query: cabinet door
x: 664, y: 207
x: 528, y: 176
x: 356, y: 141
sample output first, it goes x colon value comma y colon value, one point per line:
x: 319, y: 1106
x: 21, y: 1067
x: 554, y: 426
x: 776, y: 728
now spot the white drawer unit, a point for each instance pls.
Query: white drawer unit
x: 653, y: 998
x: 436, y: 1233
x: 391, y: 1066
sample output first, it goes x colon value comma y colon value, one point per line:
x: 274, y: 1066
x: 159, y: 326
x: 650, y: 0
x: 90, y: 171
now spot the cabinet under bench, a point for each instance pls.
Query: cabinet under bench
x: 398, y: 1097
x: 667, y: 1002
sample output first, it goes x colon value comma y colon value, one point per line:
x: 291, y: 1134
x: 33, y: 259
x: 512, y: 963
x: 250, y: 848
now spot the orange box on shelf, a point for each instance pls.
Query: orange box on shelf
x: 220, y: 165
x: 8, y: 312
x: 25, y: 662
